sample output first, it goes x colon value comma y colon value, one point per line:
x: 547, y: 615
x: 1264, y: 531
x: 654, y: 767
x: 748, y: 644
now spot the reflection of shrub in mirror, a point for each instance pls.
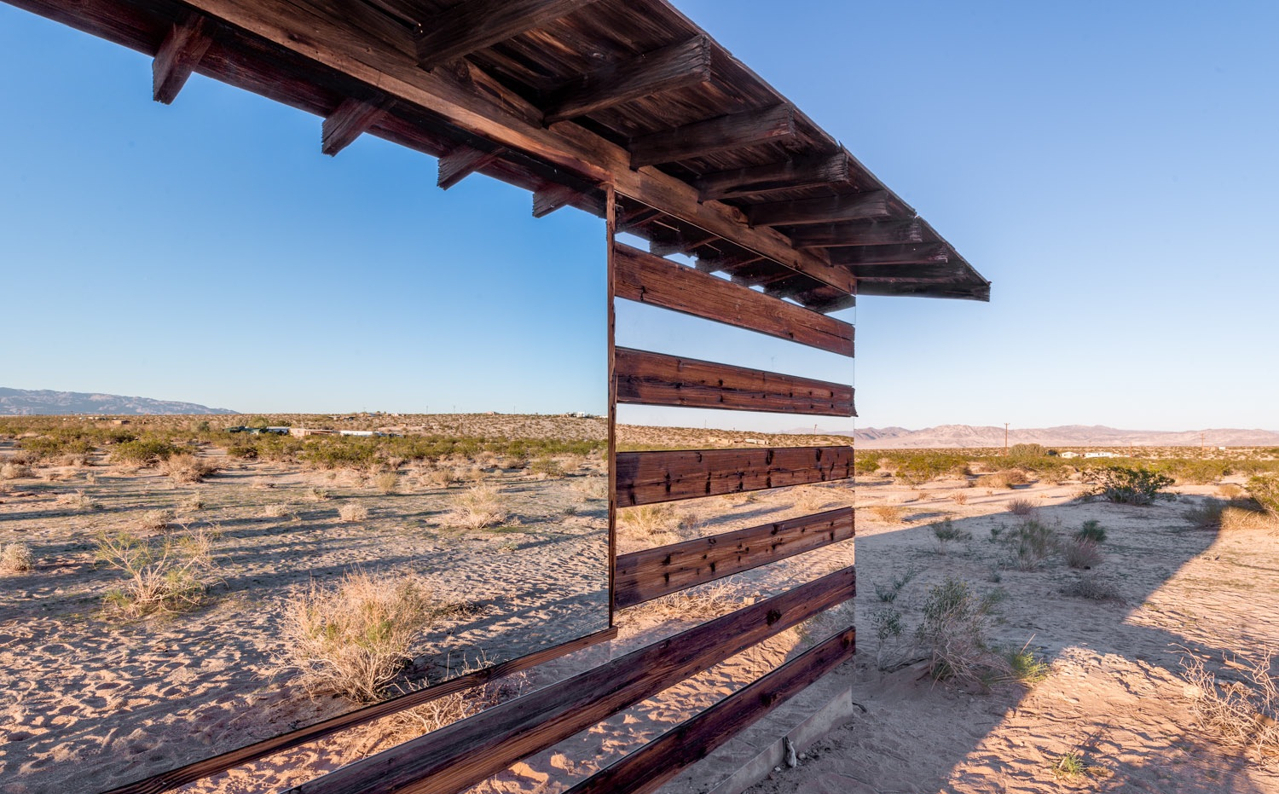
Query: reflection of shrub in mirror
x: 167, y: 574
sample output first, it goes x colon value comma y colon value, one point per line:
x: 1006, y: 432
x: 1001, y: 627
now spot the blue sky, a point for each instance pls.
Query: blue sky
x: 1109, y: 166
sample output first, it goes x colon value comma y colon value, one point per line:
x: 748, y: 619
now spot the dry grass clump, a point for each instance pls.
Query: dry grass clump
x: 169, y: 574
x: 1239, y: 714
x: 438, y: 477
x: 352, y: 637
x: 444, y: 711
x: 317, y: 495
x: 388, y: 482
x: 1229, y: 491
x: 156, y: 520
x: 889, y: 514
x: 1021, y: 507
x: 959, y: 498
x: 1093, y: 588
x: 478, y: 507
x: 647, y: 520
x: 1234, y: 519
x: 703, y: 602
x: 352, y: 512
x: 1007, y: 478
x: 546, y: 468
x: 15, y: 471
x: 279, y: 510
x: 1031, y: 543
x: 78, y: 500
x: 1081, y: 553
x: 185, y: 468
x: 591, y: 487
x: 953, y: 634
x: 15, y: 558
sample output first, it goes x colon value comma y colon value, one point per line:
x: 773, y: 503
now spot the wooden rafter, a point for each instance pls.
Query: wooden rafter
x: 349, y: 121
x: 462, y: 162
x: 686, y: 63
x: 714, y: 135
x: 854, y: 234
x: 848, y: 207
x: 935, y: 253
x: 475, y: 24
x: 550, y: 197
x: 775, y: 177
x: 179, y: 54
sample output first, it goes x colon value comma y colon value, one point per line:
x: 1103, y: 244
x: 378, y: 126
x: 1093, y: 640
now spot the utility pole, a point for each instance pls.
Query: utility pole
x: 1005, y: 439
x: 1202, y: 447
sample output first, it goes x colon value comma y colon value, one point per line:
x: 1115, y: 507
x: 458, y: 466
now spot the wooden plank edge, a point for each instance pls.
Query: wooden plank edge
x: 635, y: 501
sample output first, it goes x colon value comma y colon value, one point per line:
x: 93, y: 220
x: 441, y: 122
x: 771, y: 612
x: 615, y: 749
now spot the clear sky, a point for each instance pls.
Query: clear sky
x: 1111, y: 167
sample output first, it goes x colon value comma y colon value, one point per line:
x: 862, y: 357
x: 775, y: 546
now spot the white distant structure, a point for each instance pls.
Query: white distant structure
x: 1099, y: 454
x: 1068, y: 454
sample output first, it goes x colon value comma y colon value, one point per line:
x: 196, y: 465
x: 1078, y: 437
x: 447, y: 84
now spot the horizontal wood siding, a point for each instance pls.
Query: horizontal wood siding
x: 655, y: 763
x: 655, y: 281
x: 650, y: 477
x: 656, y: 379
x: 652, y: 573
x: 464, y: 753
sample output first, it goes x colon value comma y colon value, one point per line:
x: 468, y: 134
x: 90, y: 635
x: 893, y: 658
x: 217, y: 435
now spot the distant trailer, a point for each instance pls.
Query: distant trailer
x: 1099, y: 454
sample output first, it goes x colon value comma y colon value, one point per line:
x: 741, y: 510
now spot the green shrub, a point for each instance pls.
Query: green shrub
x: 953, y: 633
x: 1265, y: 490
x: 1092, y: 530
x: 1031, y: 543
x: 144, y: 452
x: 1129, y: 486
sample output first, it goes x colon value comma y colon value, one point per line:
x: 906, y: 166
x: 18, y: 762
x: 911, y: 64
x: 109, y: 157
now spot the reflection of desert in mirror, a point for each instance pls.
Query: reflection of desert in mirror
x: 190, y: 584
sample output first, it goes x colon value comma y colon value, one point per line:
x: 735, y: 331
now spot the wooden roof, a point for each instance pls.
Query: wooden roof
x: 561, y: 96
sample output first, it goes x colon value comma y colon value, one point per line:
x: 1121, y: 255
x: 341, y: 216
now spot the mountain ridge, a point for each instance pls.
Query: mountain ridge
x: 46, y: 402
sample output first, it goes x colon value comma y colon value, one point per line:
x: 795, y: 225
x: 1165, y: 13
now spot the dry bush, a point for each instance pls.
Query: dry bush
x: 185, y: 468
x: 478, y: 507
x: 352, y: 512
x: 811, y: 499
x: 1093, y: 588
x: 166, y: 575
x: 647, y: 520
x: 317, y: 495
x: 78, y: 501
x: 1234, y: 519
x: 946, y: 531
x: 889, y: 514
x: 388, y: 482
x: 439, y: 477
x: 1229, y: 491
x: 1031, y: 543
x: 1021, y: 507
x: 156, y: 520
x: 546, y: 468
x: 192, y: 503
x: 703, y: 602
x: 1081, y: 553
x: 953, y: 634
x: 15, y: 558
x: 959, y: 498
x: 455, y: 706
x: 278, y: 510
x: 1007, y: 478
x: 15, y: 471
x: 591, y: 487
x: 1239, y: 714
x: 352, y: 637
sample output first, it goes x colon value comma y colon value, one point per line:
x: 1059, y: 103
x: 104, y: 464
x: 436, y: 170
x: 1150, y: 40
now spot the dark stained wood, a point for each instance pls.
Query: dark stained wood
x: 550, y: 197
x: 651, y: 477
x: 775, y: 177
x: 181, y: 776
x: 853, y: 234
x: 657, y: 762
x: 462, y: 162
x: 656, y: 379
x: 679, y: 245
x: 716, y: 135
x: 934, y: 253
x: 848, y: 207
x: 664, y: 69
x: 655, y: 281
x: 177, y: 57
x: 352, y: 119
x: 610, y: 238
x: 652, y: 573
x: 464, y: 753
x: 475, y: 24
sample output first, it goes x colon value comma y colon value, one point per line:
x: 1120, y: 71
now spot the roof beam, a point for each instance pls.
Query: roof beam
x: 936, y: 253
x: 475, y: 24
x: 714, y: 135
x: 848, y: 207
x: 678, y: 65
x: 682, y: 244
x: 897, y: 272
x: 774, y: 177
x: 179, y: 54
x: 550, y: 197
x: 349, y: 121
x: 462, y: 162
x: 857, y: 234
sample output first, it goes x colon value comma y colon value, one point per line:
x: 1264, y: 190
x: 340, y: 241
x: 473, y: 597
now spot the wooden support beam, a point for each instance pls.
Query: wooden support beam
x: 788, y: 175
x: 462, y: 754
x: 882, y: 272
x: 678, y: 65
x: 652, y: 573
x: 179, y: 54
x: 645, y: 478
x: 349, y: 121
x: 550, y: 197
x: 856, y: 234
x: 715, y: 135
x: 833, y: 304
x: 462, y: 162
x: 848, y: 207
x: 657, y: 762
x: 475, y: 24
x: 649, y: 279
x: 681, y: 244
x: 934, y: 253
x: 645, y: 378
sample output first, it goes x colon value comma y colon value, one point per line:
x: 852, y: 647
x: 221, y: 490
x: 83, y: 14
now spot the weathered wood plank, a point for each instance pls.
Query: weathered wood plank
x: 849, y: 207
x: 464, y: 753
x: 646, y: 769
x: 652, y: 573
x: 714, y: 135
x: 349, y: 121
x: 174, y: 778
x: 651, y: 280
x: 855, y: 234
x: 656, y: 379
x: 764, y: 179
x: 678, y: 65
x: 550, y: 197
x: 934, y: 253
x: 476, y: 24
x: 462, y: 162
x: 179, y: 54
x: 667, y: 476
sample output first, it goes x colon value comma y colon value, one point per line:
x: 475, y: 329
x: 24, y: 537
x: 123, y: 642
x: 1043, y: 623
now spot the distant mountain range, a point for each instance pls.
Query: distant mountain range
x: 1064, y: 436
x: 26, y: 402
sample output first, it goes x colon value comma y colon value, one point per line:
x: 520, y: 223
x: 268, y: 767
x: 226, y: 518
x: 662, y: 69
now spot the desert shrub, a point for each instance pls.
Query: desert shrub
x: 1031, y: 543
x: 1027, y: 451
x: 888, y: 592
x: 647, y: 520
x: 388, y: 482
x: 1093, y: 588
x: 1025, y: 666
x: 953, y: 633
x: 478, y: 507
x: 167, y: 574
x: 946, y: 531
x: 439, y: 477
x: 443, y: 711
x: 352, y: 637
x: 1092, y: 530
x: 1240, y: 714
x: 545, y: 468
x: 143, y: 452
x: 58, y: 444
x: 317, y: 495
x: 15, y: 558
x: 1081, y: 553
x: 79, y: 501
x: 703, y: 602
x: 918, y: 468
x: 15, y: 471
x: 278, y: 510
x: 1229, y: 491
x: 1265, y: 490
x: 1206, y: 514
x: 865, y: 465
x: 889, y: 514
x: 1021, y: 507
x: 1128, y: 486
x: 351, y: 512
x: 156, y: 520
x: 959, y: 498
x: 591, y: 487
x: 1245, y: 516
x: 185, y: 468
x: 1197, y: 471
x: 1070, y: 766
x: 1006, y: 478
